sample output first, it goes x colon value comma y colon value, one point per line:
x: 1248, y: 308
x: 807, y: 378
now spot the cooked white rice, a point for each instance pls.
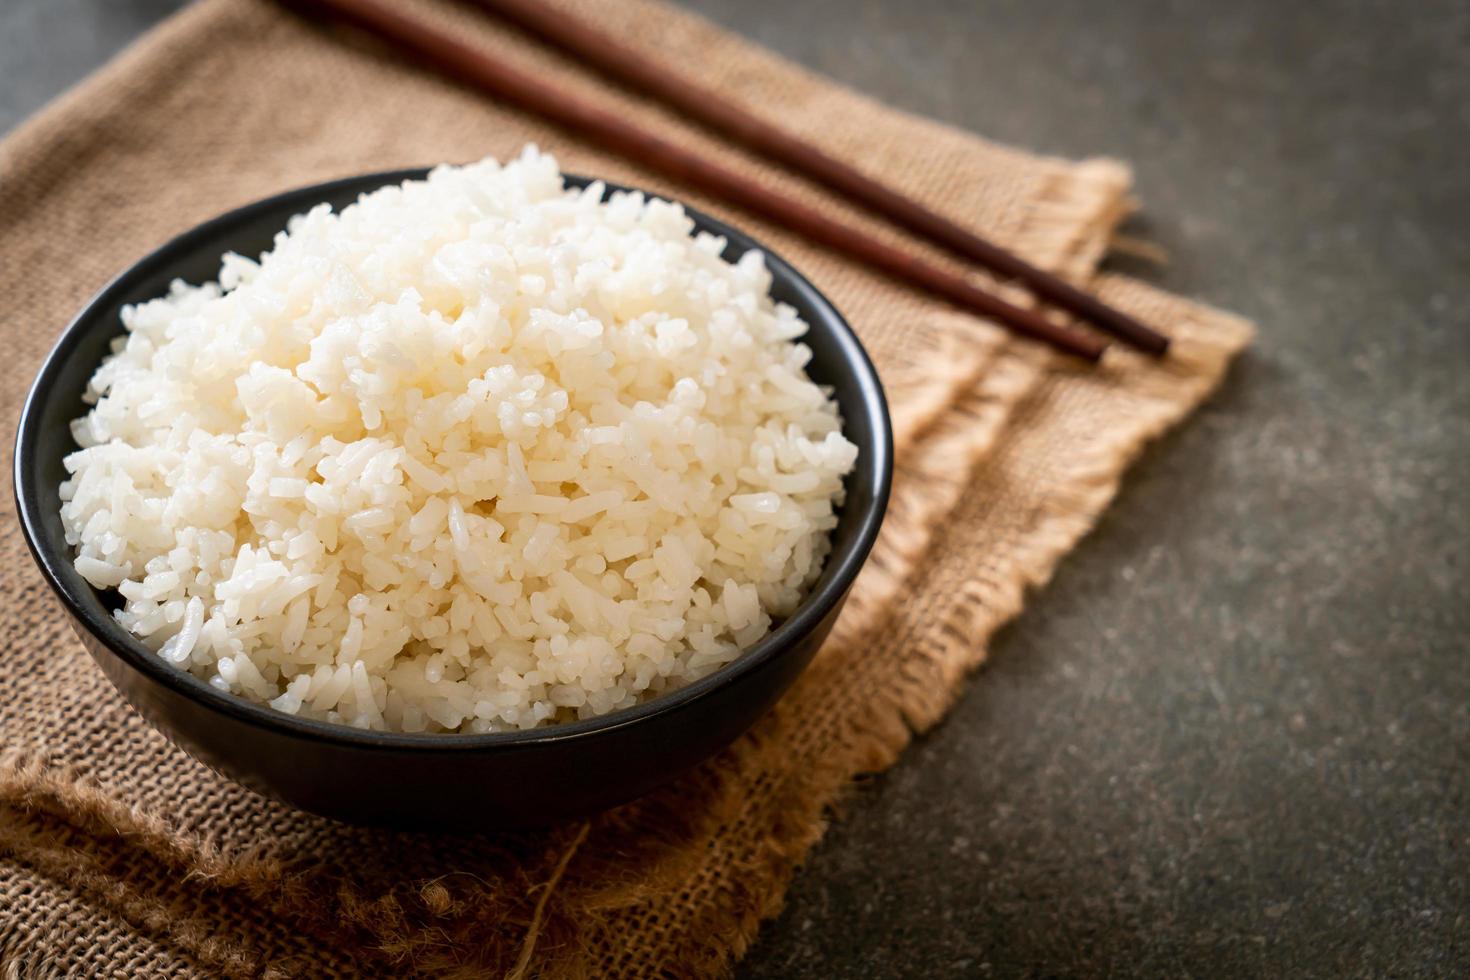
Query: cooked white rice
x: 477, y: 453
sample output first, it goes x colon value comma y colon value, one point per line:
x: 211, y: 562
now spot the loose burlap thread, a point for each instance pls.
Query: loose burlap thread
x: 120, y: 856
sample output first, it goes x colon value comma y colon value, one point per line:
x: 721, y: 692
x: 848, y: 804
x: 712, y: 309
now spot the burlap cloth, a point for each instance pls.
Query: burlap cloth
x: 120, y: 856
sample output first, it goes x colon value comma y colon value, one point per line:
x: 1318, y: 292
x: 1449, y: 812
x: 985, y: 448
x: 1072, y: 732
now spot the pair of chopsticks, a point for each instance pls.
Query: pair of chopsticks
x: 444, y: 52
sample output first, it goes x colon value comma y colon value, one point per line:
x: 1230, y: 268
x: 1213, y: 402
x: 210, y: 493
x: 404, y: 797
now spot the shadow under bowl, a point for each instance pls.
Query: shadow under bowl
x: 475, y: 782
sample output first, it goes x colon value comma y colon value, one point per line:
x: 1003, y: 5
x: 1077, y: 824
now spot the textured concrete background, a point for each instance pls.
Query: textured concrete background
x: 1233, y: 736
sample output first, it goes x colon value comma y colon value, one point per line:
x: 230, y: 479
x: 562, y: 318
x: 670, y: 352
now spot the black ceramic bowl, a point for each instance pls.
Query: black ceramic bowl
x: 426, y: 780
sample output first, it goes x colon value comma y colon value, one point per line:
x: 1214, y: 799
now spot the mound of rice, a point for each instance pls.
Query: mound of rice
x: 478, y: 453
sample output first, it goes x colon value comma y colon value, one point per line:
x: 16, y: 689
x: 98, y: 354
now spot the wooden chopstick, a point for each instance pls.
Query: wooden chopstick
x: 449, y: 55
x: 678, y: 89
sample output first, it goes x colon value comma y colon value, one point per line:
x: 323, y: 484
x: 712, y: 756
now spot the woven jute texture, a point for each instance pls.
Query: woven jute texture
x: 120, y: 856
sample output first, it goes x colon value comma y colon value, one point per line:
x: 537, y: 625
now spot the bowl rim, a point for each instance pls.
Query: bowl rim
x: 51, y: 556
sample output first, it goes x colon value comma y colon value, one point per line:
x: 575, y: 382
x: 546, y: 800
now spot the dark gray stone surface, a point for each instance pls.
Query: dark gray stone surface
x: 1233, y: 736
